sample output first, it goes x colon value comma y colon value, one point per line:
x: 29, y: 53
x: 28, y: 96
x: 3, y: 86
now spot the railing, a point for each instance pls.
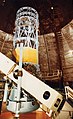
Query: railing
x: 52, y: 76
x: 68, y: 92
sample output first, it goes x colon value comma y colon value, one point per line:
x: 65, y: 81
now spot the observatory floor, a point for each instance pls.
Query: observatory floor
x: 38, y: 114
x: 66, y: 113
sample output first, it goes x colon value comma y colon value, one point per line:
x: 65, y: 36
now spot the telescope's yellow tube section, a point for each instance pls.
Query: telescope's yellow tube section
x: 29, y: 55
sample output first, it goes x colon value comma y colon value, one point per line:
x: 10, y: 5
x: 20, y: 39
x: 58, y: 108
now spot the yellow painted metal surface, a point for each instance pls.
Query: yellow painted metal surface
x: 29, y: 55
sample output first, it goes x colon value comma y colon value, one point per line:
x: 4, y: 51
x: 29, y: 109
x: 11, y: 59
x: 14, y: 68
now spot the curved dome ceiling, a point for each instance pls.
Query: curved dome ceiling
x: 53, y: 14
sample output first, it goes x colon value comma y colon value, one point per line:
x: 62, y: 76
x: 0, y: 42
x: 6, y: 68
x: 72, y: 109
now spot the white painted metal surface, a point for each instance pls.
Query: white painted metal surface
x: 68, y: 92
x: 26, y: 32
x: 31, y: 84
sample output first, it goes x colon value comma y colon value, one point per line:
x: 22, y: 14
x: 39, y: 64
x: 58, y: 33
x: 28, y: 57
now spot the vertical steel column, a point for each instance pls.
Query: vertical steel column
x: 19, y: 82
